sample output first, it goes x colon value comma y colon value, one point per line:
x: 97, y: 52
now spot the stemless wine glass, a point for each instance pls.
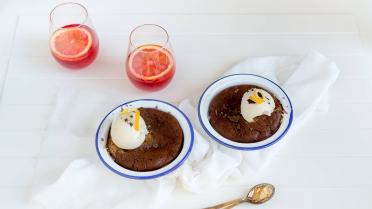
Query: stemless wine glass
x: 150, y: 64
x: 73, y: 41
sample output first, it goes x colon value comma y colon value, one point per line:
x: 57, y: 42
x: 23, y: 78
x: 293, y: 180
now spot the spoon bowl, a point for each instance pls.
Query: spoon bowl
x: 260, y: 193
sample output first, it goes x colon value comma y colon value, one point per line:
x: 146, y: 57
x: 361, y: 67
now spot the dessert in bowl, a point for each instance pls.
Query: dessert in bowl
x: 245, y: 111
x: 144, y: 139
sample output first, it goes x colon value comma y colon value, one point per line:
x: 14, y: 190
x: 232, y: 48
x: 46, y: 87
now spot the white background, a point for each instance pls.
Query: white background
x: 328, y: 165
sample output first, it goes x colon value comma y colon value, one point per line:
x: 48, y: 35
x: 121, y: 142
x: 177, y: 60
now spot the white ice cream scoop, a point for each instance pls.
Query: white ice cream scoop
x: 256, y: 102
x: 128, y: 129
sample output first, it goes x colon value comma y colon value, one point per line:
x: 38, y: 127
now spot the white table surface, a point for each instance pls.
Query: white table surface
x: 327, y: 165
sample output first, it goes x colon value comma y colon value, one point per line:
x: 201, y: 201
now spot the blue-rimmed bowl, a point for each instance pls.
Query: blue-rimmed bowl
x: 104, y: 127
x: 240, y: 79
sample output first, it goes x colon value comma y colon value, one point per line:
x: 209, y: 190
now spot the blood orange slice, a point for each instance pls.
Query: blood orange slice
x: 150, y: 62
x: 71, y: 43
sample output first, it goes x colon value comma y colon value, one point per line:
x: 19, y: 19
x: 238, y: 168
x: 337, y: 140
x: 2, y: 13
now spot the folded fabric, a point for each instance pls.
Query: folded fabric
x: 87, y: 184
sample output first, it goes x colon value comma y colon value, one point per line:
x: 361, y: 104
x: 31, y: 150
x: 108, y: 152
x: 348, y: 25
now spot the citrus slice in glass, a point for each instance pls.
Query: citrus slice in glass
x: 150, y: 62
x: 71, y: 43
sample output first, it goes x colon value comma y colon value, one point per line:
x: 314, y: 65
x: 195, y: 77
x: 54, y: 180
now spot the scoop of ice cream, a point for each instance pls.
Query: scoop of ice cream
x: 128, y: 129
x: 256, y: 102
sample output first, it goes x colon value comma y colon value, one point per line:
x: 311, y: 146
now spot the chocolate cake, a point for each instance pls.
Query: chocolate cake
x: 225, y: 117
x: 162, y: 144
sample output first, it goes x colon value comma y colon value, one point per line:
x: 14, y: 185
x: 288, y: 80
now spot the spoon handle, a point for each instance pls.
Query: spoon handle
x: 228, y: 204
x: 232, y: 205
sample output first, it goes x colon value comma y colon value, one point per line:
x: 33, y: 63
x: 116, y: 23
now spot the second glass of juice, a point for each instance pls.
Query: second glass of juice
x: 150, y: 64
x: 73, y: 41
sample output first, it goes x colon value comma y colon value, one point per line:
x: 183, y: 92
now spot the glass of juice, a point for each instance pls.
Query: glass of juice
x: 150, y: 64
x: 73, y: 41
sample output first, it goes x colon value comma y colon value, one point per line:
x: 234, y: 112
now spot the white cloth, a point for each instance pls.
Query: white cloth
x: 86, y: 183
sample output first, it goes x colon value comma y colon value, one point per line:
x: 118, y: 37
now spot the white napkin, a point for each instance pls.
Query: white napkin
x: 88, y: 184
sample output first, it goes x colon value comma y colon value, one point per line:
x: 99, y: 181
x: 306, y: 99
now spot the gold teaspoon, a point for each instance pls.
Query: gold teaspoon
x: 258, y: 194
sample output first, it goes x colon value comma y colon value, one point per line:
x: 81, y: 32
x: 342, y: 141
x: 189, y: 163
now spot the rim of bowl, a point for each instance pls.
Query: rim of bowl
x: 158, y: 174
x: 240, y: 147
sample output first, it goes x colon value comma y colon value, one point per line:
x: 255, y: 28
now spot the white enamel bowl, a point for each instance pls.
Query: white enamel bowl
x: 237, y: 79
x: 103, y: 131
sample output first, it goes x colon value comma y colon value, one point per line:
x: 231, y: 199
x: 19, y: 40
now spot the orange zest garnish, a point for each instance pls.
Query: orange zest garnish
x: 257, y: 99
x: 124, y: 112
x: 137, y: 120
x: 129, y: 111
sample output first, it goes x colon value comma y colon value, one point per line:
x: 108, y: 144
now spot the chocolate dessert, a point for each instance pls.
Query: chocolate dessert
x: 226, y: 118
x: 162, y: 144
